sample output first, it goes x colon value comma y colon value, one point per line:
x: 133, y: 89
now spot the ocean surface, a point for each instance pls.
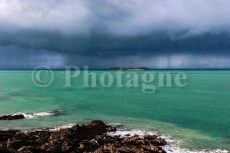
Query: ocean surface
x: 195, y: 117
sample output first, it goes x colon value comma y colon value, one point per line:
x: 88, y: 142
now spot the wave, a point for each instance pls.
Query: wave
x: 38, y: 114
x: 174, y: 149
x: 171, y: 147
x: 62, y: 127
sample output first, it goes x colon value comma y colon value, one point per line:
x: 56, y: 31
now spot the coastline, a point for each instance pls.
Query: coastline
x: 112, y: 131
x: 90, y: 137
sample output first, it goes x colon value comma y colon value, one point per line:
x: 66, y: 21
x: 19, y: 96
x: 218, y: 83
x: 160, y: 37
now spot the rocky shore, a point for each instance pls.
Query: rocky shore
x: 12, y: 117
x: 89, y: 138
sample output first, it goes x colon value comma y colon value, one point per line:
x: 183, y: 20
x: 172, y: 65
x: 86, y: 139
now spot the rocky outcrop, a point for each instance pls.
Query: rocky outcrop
x: 78, y: 139
x: 12, y: 117
x: 56, y: 112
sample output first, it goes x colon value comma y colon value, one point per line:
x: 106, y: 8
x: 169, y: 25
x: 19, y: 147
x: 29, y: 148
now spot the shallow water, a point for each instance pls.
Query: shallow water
x: 196, y: 115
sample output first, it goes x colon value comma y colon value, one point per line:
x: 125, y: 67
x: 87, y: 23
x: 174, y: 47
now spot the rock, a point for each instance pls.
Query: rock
x: 56, y: 112
x: 123, y: 150
x: 98, y: 127
x: 111, y: 129
x: 158, y: 141
x: 12, y: 117
x: 7, y: 150
x: 150, y: 137
x: 25, y: 149
x: 85, y: 145
x: 16, y: 144
x: 5, y: 135
x: 87, y: 138
x: 65, y: 146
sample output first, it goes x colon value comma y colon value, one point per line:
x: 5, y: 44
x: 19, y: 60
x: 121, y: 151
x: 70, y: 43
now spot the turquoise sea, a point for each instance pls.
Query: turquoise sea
x: 196, y: 116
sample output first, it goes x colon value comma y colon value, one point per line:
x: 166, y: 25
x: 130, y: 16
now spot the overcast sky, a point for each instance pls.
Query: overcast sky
x: 107, y: 33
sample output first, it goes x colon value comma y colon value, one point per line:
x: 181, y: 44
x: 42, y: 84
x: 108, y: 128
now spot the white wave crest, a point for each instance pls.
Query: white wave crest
x: 171, y: 147
x: 62, y: 127
x: 35, y: 115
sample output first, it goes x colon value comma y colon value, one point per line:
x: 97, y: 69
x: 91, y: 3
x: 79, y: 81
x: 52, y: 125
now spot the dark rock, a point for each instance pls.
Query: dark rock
x: 16, y: 144
x: 25, y: 149
x: 7, y: 150
x: 158, y: 141
x: 12, y: 117
x: 123, y: 150
x: 150, y: 137
x: 5, y: 135
x: 78, y: 139
x: 56, y: 112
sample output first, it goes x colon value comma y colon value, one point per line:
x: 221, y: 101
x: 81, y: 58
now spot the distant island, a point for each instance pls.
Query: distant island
x: 125, y: 69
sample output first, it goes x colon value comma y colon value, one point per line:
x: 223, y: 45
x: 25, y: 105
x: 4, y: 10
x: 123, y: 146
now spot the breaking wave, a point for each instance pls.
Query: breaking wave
x: 38, y: 114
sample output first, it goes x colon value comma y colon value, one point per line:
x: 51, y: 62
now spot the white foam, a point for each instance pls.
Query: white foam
x: 171, y: 147
x: 35, y: 115
x: 174, y: 149
x: 62, y: 127
x: 124, y: 133
x: 4, y: 129
x: 43, y: 114
x: 26, y: 115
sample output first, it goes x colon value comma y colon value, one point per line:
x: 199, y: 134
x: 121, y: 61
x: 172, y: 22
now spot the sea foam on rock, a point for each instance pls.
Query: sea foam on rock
x: 172, y: 146
x: 19, y: 116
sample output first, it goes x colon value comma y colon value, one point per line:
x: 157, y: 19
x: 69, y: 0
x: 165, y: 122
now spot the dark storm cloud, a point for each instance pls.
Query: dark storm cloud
x: 104, y: 45
x: 129, y: 17
x: 154, y: 33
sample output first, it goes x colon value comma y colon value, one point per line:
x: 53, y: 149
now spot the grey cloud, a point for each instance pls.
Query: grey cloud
x: 102, y: 33
x: 115, y: 16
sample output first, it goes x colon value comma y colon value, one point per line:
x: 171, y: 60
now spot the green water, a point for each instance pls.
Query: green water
x: 198, y: 114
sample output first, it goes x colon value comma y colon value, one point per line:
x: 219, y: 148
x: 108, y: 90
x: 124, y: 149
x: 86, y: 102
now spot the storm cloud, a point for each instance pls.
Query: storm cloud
x: 102, y: 33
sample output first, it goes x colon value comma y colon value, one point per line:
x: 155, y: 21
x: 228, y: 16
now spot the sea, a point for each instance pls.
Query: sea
x: 194, y: 117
